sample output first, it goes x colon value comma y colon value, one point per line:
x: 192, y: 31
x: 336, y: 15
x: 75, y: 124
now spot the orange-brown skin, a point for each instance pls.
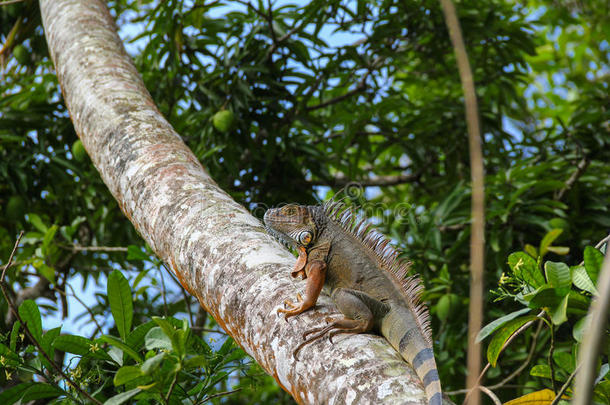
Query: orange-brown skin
x: 315, y: 273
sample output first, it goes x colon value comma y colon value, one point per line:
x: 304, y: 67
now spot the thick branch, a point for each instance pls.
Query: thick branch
x: 219, y: 252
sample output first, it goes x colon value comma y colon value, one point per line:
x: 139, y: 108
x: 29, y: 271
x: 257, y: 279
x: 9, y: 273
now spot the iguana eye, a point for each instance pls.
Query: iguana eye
x: 305, y: 238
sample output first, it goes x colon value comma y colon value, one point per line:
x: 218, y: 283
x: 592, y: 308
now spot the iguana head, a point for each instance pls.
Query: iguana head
x: 293, y: 224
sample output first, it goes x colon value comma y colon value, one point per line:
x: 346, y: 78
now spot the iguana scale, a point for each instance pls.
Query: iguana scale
x: 368, y: 281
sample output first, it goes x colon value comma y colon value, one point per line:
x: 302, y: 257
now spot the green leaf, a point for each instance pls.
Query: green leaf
x: 81, y: 346
x: 541, y: 370
x: 47, y: 344
x: 48, y: 238
x: 578, y: 331
x: 135, y: 253
x: 543, y: 297
x: 73, y: 344
x: 29, y: 391
x: 15, y: 335
x: 177, y: 337
x: 524, y: 268
x: 136, y: 338
x: 532, y: 251
x: 593, y: 262
x: 196, y: 361
x: 153, y: 363
x: 122, y: 397
x: 157, y: 339
x: 124, y: 347
x: 603, y: 370
x: 30, y: 314
x: 44, y: 270
x: 559, y: 250
x: 121, y: 305
x: 37, y: 222
x: 548, y: 240
x: 564, y: 360
x: 558, y: 276
x: 126, y: 374
x: 559, y: 313
x: 581, y: 279
x: 505, y: 332
x: 492, y: 326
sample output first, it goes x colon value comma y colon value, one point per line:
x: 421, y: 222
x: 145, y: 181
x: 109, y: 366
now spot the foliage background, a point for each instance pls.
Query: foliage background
x: 323, y: 95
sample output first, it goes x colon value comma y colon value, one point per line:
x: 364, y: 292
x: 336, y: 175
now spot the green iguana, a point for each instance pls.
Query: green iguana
x: 367, y: 280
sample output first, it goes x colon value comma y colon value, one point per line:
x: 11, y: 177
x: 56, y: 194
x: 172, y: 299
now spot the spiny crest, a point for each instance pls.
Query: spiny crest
x: 397, y: 268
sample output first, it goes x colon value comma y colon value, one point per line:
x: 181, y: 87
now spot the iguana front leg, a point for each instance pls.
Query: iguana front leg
x: 299, y: 267
x: 358, y: 317
x: 315, y: 272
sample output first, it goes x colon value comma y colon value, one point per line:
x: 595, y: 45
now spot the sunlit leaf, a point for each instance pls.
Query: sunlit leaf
x: 593, y: 262
x: 581, y: 279
x: 28, y: 310
x: 525, y: 268
x: 121, y: 305
x: 502, y: 335
x: 493, y: 325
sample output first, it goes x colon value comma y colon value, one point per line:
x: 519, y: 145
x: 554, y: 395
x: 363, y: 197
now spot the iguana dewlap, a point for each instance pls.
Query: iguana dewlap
x: 367, y: 280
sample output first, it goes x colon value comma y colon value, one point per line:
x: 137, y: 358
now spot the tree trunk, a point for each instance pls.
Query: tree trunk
x: 220, y: 252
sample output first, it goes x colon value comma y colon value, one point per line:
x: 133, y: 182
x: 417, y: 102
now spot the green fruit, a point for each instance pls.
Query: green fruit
x: 447, y: 306
x: 223, y: 120
x: 78, y: 151
x: 15, y: 208
x: 21, y: 54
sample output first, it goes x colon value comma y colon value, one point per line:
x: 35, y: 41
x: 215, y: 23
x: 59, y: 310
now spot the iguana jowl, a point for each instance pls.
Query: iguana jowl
x: 367, y: 280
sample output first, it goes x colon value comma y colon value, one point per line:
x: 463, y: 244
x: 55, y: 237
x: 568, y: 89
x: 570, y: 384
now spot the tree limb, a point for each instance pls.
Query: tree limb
x: 220, y: 253
x: 593, y: 338
x: 477, y: 238
x: 377, y: 181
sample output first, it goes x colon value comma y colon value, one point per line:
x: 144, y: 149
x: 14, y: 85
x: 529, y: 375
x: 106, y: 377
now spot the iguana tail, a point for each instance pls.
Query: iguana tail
x: 401, y: 329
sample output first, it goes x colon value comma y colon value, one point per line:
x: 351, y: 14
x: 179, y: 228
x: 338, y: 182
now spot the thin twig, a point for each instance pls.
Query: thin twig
x: 580, y: 169
x: 250, y: 6
x: 550, y: 358
x: 601, y: 242
x: 565, y: 386
x: 73, y: 295
x: 76, y: 248
x: 488, y: 365
x: 10, y: 258
x: 377, y: 181
x: 277, y: 42
x: 359, y: 87
x: 219, y: 394
x: 222, y: 332
x: 491, y: 395
x: 530, y: 355
x: 29, y: 334
x: 477, y: 238
x: 6, y: 2
x: 598, y: 246
x: 165, y: 308
x: 171, y: 388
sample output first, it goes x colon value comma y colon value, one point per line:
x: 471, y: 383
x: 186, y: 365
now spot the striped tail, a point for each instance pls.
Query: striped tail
x: 402, y: 331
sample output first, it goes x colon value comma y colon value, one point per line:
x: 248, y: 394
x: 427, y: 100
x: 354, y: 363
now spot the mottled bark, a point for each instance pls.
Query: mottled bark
x: 218, y: 250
